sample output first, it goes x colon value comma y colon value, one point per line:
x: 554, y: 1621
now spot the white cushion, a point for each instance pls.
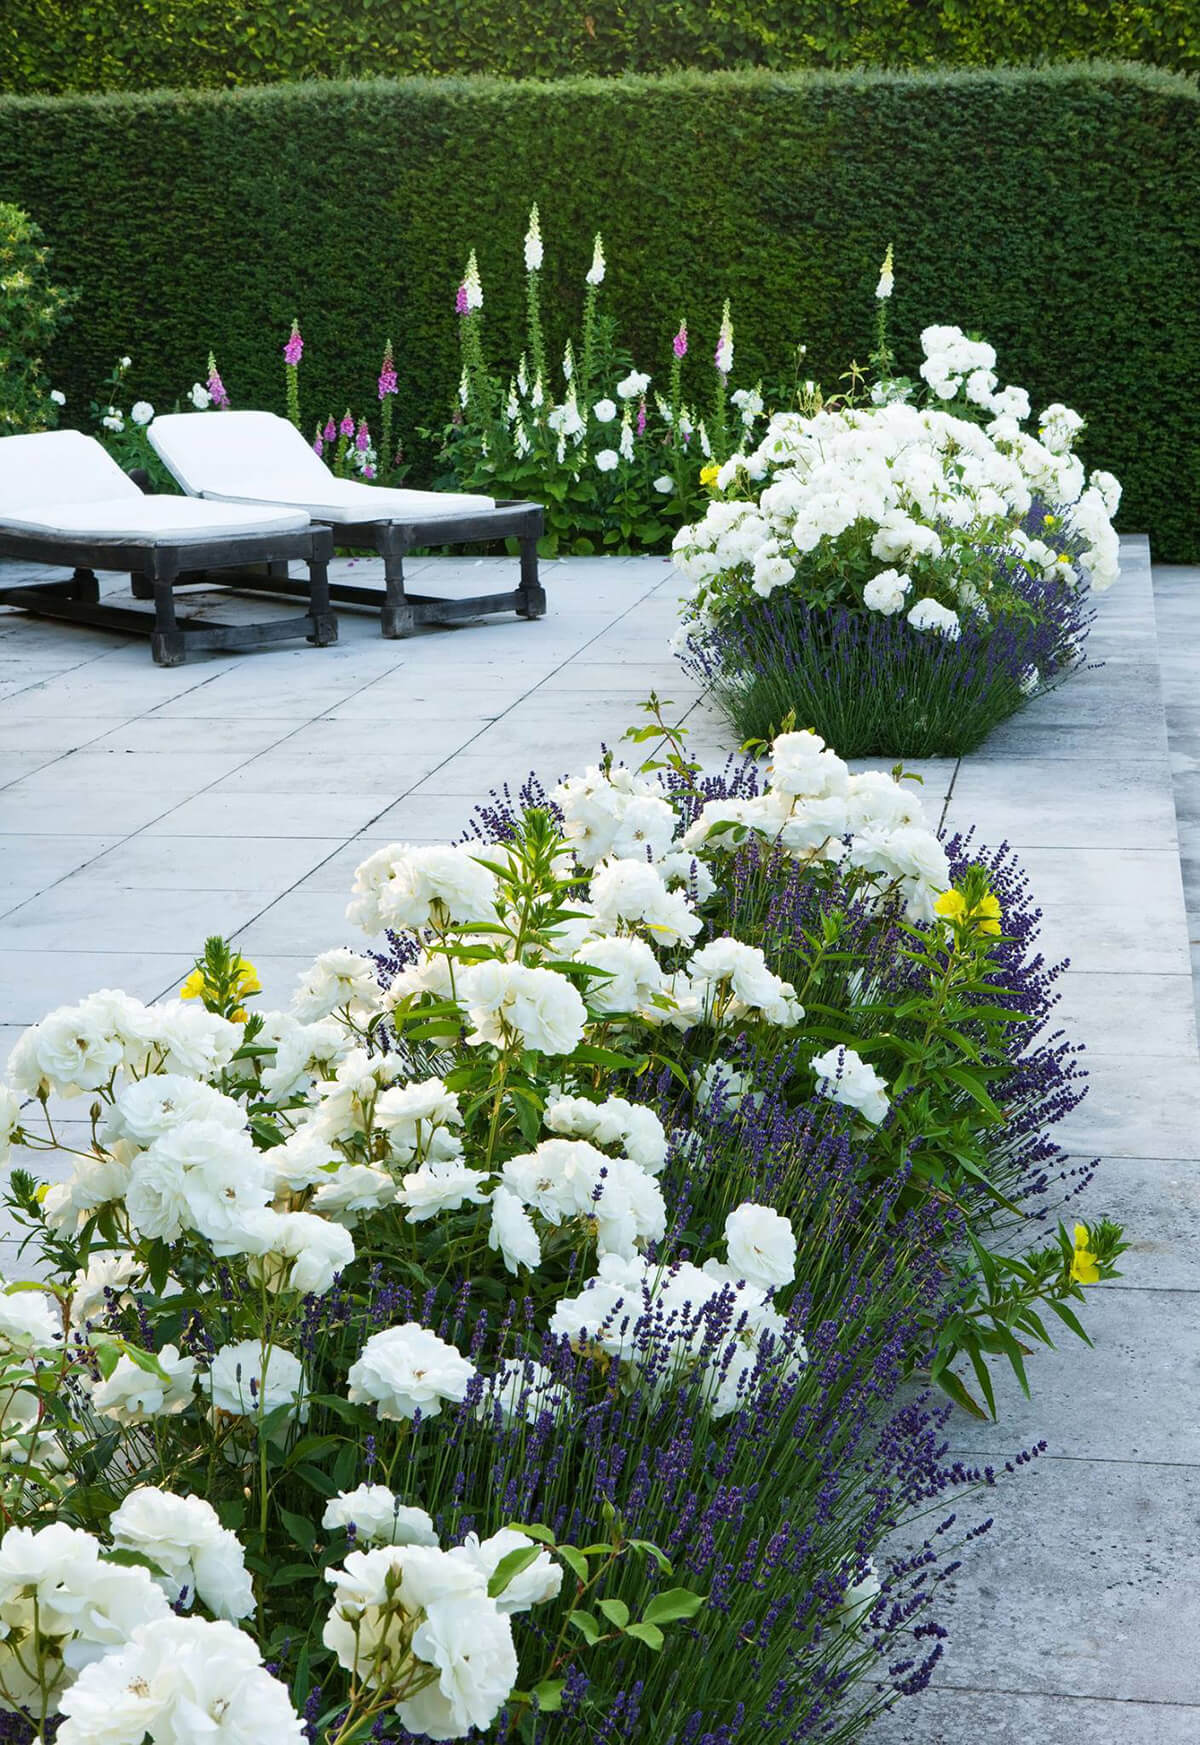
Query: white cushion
x: 59, y: 466
x: 257, y: 457
x: 149, y: 520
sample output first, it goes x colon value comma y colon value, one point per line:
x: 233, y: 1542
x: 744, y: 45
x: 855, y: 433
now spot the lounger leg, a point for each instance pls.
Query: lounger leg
x: 396, y: 616
x: 84, y: 586
x: 324, y: 624
x: 167, y: 642
x: 533, y: 595
x: 140, y: 586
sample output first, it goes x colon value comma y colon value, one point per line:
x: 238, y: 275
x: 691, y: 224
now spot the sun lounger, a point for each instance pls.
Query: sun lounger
x: 64, y: 501
x: 258, y: 458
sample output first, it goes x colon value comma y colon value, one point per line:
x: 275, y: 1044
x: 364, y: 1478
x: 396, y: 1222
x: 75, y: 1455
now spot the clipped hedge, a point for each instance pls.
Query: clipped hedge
x: 102, y: 45
x: 1056, y: 211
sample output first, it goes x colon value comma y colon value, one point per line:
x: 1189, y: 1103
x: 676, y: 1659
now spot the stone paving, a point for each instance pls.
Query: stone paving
x: 141, y: 808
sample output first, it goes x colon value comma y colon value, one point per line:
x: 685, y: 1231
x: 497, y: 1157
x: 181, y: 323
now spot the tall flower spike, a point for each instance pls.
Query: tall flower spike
x: 533, y: 242
x: 470, y: 292
x: 883, y: 289
x: 346, y: 427
x: 293, y: 351
x: 215, y: 386
x: 723, y: 356
x: 387, y: 372
x: 680, y: 342
x: 568, y: 366
x: 595, y: 273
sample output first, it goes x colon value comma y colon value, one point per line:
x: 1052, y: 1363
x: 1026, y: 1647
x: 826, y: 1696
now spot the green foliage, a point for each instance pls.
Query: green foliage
x: 31, y: 311
x: 61, y: 45
x: 1056, y: 210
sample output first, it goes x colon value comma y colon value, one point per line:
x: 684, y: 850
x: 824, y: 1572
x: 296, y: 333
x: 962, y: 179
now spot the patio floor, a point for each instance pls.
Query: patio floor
x: 141, y: 808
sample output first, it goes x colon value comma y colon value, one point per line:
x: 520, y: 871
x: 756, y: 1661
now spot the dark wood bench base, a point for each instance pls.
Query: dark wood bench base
x: 157, y: 570
x: 401, y: 612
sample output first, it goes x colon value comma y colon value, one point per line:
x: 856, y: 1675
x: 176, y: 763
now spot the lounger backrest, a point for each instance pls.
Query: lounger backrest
x: 58, y: 466
x: 240, y: 454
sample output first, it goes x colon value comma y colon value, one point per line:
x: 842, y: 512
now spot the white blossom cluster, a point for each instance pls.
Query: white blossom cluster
x: 96, y: 1641
x: 921, y: 505
x: 177, y: 1172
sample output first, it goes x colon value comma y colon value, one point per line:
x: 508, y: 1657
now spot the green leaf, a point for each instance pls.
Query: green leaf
x: 575, y: 1561
x: 650, y: 1634
x: 587, y: 1625
x: 548, y: 1695
x: 300, y: 1527
x: 677, y: 1602
x: 511, y: 1566
x: 532, y: 1530
x: 616, y: 1611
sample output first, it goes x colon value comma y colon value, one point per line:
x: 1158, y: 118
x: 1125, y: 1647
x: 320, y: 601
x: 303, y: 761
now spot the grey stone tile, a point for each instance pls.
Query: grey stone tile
x: 1151, y: 1110
x: 33, y: 982
x: 1135, y: 1397
x: 1157, y: 1199
x: 1114, y: 937
x: 79, y: 913
x: 234, y: 816
x: 94, y: 771
x: 1144, y: 879
x: 202, y: 863
x: 315, y: 774
x: 1151, y: 1015
x: 43, y: 860
x: 945, y: 1715
x: 1065, y: 803
x: 81, y: 812
x: 426, y: 817
x: 56, y: 733
x: 1084, y: 1587
x: 306, y: 921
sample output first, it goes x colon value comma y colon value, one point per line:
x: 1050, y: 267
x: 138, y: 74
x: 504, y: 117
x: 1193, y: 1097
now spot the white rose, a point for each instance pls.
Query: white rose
x: 760, y: 1246
x: 379, y: 1517
x: 141, y: 412
x: 407, y: 1369
x: 844, y: 1077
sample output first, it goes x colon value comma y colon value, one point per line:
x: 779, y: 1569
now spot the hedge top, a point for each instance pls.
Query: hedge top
x: 65, y: 45
x: 752, y: 81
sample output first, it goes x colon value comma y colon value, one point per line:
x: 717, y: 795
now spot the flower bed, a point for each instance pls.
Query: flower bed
x: 519, y: 1333
x: 899, y: 573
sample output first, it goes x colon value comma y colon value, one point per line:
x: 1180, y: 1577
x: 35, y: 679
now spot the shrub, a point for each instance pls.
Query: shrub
x: 32, y: 309
x: 901, y: 574
x: 419, y: 1259
x: 355, y: 206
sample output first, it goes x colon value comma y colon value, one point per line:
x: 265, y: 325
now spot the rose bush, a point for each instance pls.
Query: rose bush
x: 838, y: 559
x: 550, y: 1278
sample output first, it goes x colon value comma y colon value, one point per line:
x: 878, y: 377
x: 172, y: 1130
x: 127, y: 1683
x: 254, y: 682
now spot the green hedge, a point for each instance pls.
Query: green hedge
x: 99, y: 45
x: 1056, y: 211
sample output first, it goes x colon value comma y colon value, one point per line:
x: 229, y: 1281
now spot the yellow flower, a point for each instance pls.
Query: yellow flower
x: 247, y: 977
x: 986, y: 914
x: 951, y: 906
x: 193, y: 988
x: 238, y: 1016
x: 1085, y: 1269
x: 708, y: 474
